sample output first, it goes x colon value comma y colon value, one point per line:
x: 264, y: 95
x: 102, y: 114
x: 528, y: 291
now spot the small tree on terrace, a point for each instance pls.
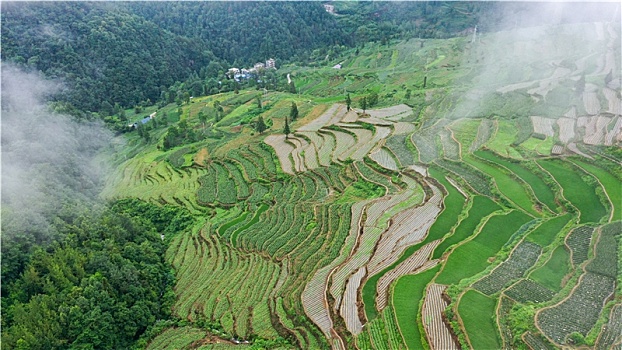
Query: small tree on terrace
x: 286, y: 129
x: 348, y: 102
x: 364, y: 104
x: 293, y: 112
x: 260, y: 126
x: 202, y: 118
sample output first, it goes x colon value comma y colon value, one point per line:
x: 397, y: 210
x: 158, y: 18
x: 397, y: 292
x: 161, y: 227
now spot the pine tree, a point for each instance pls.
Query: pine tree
x: 293, y: 112
x: 364, y: 104
x: 260, y: 126
x: 286, y: 129
x: 348, y: 102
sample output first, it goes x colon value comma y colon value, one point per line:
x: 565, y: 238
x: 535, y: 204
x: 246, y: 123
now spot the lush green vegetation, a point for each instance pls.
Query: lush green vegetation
x: 579, y: 189
x: 477, y: 313
x: 481, y: 207
x: 473, y: 256
x: 552, y: 273
x: 541, y: 189
x: 407, y: 295
x: 425, y: 158
x: 106, y: 269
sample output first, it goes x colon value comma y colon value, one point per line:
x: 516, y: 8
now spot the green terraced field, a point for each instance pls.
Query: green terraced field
x: 477, y: 313
x: 408, y: 292
x: 576, y: 190
x: 473, y: 256
x: 552, y: 273
x: 275, y: 255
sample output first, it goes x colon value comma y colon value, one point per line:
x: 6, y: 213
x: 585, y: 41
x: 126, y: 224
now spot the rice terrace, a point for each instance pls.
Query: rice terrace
x: 454, y: 193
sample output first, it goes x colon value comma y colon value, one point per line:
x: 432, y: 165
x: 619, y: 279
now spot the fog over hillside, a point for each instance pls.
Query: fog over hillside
x: 48, y: 166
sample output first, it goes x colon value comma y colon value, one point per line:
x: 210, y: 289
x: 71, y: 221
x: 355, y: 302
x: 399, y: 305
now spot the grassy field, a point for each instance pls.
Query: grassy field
x: 547, y: 231
x: 610, y: 183
x: 551, y: 274
x: 473, y: 256
x: 477, y: 312
x: 541, y: 189
x: 576, y: 190
x: 514, y: 190
x: 409, y: 290
x: 481, y: 207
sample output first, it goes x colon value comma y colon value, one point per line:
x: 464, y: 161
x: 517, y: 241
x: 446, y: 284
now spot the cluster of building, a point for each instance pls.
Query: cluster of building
x: 239, y: 74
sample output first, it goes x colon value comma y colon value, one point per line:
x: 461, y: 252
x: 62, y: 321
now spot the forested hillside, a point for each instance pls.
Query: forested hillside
x: 129, y: 53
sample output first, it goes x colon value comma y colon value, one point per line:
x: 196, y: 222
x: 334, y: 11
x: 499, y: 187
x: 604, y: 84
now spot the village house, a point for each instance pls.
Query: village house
x: 271, y: 63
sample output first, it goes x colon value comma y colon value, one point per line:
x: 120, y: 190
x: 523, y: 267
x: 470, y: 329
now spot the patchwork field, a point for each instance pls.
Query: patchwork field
x: 481, y: 216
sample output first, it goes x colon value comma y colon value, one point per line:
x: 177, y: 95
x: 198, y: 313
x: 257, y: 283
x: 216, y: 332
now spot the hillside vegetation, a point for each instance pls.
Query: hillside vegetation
x: 367, y: 189
x: 444, y: 193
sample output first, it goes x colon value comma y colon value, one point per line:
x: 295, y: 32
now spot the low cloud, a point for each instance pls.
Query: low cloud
x: 48, y: 159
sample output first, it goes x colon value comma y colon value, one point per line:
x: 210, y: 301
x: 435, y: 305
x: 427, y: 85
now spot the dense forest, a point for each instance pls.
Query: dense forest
x: 130, y: 53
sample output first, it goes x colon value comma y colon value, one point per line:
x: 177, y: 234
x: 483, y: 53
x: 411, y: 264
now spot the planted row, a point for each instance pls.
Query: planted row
x: 586, y: 300
x: 529, y: 291
x: 522, y: 258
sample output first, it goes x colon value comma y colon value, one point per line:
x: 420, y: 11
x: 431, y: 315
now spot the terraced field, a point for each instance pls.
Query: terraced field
x: 402, y: 227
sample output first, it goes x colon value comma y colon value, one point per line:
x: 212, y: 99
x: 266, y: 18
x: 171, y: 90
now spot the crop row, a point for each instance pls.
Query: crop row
x: 406, y: 228
x: 478, y: 181
x: 536, y: 341
x: 349, y: 305
x: 586, y: 300
x: 263, y: 152
x: 377, y: 333
x: 249, y: 168
x: 610, y: 334
x: 241, y: 184
x: 313, y: 297
x: 527, y: 290
x: 503, y: 312
x: 231, y: 287
x: 417, y: 261
x: 356, y: 217
x: 363, y: 341
x: 425, y: 142
x: 396, y: 341
x: 579, y: 241
x: 484, y: 132
x: 606, y: 251
x: 323, y: 119
x: 385, y: 158
x: 437, y: 331
x: 451, y: 149
x: 283, y: 151
x: 397, y: 145
x: 522, y: 258
x: 226, y: 192
x: 304, y: 154
x: 371, y: 175
x: 176, y: 338
x: 465, y: 131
